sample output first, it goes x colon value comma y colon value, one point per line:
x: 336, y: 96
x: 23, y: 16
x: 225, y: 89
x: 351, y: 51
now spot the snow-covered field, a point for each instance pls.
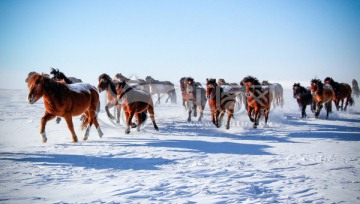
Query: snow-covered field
x: 293, y: 160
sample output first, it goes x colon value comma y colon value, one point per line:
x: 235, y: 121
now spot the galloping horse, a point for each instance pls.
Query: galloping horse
x: 220, y: 100
x: 59, y: 76
x: 106, y: 83
x: 135, y: 102
x: 258, y: 98
x: 194, y: 96
x: 138, y: 83
x: 303, y: 97
x: 355, y: 88
x: 65, y: 101
x: 342, y: 91
x: 277, y: 91
x: 322, y: 93
x: 161, y: 87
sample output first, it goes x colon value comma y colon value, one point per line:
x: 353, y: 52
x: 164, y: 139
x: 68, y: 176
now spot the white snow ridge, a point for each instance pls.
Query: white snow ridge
x: 293, y: 160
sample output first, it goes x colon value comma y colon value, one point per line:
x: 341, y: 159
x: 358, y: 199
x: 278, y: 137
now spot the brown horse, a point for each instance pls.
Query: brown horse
x: 258, y: 98
x: 322, y: 93
x: 135, y: 102
x: 65, y: 101
x: 220, y: 100
x: 342, y: 91
x: 355, y: 88
x: 303, y: 97
x: 194, y: 96
x: 109, y: 85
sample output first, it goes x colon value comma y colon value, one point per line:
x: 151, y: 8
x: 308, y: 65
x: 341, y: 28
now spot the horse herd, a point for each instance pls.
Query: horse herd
x: 68, y: 96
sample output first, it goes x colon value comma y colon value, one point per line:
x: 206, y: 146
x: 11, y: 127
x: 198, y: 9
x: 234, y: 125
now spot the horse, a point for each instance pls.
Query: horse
x: 135, y: 102
x: 258, y: 98
x: 235, y: 88
x: 161, y: 87
x: 59, y: 76
x: 355, y: 88
x: 109, y: 85
x: 342, y: 91
x: 65, y: 101
x: 303, y: 97
x: 220, y: 99
x: 277, y: 91
x: 194, y: 96
x: 138, y: 83
x: 322, y: 93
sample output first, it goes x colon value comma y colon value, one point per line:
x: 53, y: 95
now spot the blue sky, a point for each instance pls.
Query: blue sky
x: 274, y: 40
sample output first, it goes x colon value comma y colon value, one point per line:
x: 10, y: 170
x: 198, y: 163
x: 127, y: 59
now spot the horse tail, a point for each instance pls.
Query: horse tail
x: 351, y: 101
x: 97, y: 109
x: 143, y: 117
x: 84, y: 122
x: 173, y: 96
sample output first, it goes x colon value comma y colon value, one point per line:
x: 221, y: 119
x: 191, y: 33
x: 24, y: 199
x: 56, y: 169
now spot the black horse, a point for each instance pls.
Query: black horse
x: 59, y: 76
x: 303, y: 97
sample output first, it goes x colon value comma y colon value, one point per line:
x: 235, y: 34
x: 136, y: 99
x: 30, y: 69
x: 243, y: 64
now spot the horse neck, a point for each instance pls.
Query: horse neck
x: 125, y: 90
x: 112, y: 87
x: 53, y: 90
x: 320, y: 88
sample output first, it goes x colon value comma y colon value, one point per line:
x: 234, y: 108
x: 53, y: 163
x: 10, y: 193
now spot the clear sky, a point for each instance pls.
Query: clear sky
x: 292, y: 40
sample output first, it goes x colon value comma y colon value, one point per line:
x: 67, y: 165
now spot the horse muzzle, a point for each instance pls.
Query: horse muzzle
x: 32, y: 99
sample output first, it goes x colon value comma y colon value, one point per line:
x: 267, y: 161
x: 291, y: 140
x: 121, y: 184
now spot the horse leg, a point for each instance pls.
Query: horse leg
x: 189, y: 105
x: 69, y: 122
x: 158, y: 101
x: 250, y: 110
x: 107, y: 107
x: 303, y: 111
x: 96, y: 123
x: 217, y: 121
x: 47, y: 116
x: 138, y: 118
x: 230, y: 115
x: 342, y: 104
x: 118, y: 111
x: 201, y: 112
x: 328, y: 108
x: 151, y: 113
x: 221, y: 116
x: 256, y: 113
x: 128, y: 122
x: 267, y: 111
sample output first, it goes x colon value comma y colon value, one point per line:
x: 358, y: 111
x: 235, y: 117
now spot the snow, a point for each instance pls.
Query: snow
x: 293, y: 160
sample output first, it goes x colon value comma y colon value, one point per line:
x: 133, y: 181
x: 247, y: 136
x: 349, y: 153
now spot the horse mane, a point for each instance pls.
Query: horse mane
x: 319, y: 85
x: 332, y: 82
x: 251, y: 79
x: 211, y: 81
x: 302, y: 89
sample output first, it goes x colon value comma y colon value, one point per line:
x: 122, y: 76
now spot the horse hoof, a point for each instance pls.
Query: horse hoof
x: 85, y: 138
x: 75, y: 141
x: 44, y: 140
x: 255, y: 126
x: 189, y: 119
x: 127, y: 131
x: 156, y: 128
x: 133, y: 126
x: 227, y: 127
x: 199, y: 119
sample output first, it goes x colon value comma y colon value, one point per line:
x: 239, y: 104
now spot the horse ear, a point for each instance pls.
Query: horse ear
x: 207, y: 79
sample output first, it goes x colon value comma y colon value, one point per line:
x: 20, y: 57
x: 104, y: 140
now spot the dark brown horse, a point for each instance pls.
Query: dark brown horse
x: 322, y: 93
x: 135, y: 102
x: 220, y: 100
x: 342, y: 91
x: 109, y: 85
x: 355, y: 88
x: 258, y: 98
x: 193, y: 96
x: 65, y: 101
x: 59, y: 76
x: 303, y: 97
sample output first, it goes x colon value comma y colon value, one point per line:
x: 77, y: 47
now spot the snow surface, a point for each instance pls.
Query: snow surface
x: 293, y: 160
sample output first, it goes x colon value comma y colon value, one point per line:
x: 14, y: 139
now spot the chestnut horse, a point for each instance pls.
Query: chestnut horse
x: 303, y: 97
x: 109, y: 85
x: 220, y: 100
x: 342, y: 91
x: 258, y: 98
x: 355, y: 88
x: 135, y: 102
x: 65, y: 101
x: 322, y: 93
x: 194, y: 96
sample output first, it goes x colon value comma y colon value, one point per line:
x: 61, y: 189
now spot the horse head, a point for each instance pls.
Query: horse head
x: 210, y: 88
x: 265, y: 83
x: 354, y: 82
x: 120, y: 89
x: 150, y: 80
x: 316, y: 85
x: 36, y: 87
x: 329, y: 80
x: 221, y: 82
x: 189, y: 85
x: 296, y: 90
x: 251, y: 83
x: 120, y: 77
x: 182, y: 85
x: 104, y: 81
